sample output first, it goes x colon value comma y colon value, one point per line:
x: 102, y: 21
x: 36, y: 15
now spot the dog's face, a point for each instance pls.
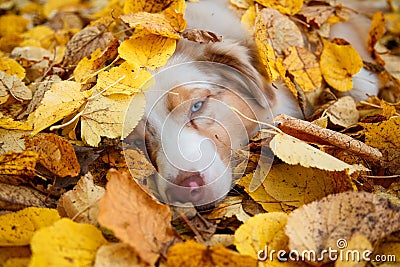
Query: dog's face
x: 191, y: 130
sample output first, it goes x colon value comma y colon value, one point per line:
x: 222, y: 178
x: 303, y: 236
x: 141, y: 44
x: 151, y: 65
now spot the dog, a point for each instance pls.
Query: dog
x: 191, y: 130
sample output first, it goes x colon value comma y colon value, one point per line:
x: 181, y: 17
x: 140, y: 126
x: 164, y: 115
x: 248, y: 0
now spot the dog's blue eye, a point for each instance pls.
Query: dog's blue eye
x: 197, y: 106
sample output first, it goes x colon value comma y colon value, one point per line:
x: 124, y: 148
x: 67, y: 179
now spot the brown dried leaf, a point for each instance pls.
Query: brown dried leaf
x: 18, y: 197
x: 316, y: 15
x: 343, y: 112
x: 81, y: 203
x: 85, y: 42
x: 336, y: 219
x: 15, y: 86
x: 201, y: 36
x: 137, y: 163
x: 136, y: 218
x: 55, y: 154
x: 309, y: 132
x: 282, y: 33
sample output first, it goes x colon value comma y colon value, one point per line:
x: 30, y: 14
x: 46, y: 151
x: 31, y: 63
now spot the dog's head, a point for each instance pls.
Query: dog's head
x: 191, y: 132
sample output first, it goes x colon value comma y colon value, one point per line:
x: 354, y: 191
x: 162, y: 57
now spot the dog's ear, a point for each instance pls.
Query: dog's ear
x: 243, y: 58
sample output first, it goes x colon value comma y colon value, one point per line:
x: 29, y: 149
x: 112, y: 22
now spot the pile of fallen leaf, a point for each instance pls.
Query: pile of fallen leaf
x: 70, y: 69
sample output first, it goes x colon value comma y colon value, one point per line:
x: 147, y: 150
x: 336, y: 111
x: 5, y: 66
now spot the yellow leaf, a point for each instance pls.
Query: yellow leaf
x: 304, y: 67
x: 11, y: 24
x: 280, y: 189
x: 63, y: 99
x: 356, y: 243
x: 338, y: 64
x: 385, y: 136
x: 178, y: 5
x: 18, y: 228
x: 11, y: 67
x: 43, y: 35
x: 289, y: 7
x: 267, y: 53
x: 376, y: 30
x: 105, y: 116
x: 151, y: 6
x: 168, y: 24
x: 131, y: 79
x: 149, y: 50
x: 261, y: 231
x: 66, y: 243
x: 249, y: 18
x: 52, y: 5
x: 244, y: 4
x: 294, y: 151
x: 9, y: 123
x: 84, y: 69
x: 191, y: 253
x: 18, y: 163
x: 382, y: 135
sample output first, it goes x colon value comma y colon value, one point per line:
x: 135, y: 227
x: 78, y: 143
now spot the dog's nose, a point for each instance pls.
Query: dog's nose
x: 189, y: 188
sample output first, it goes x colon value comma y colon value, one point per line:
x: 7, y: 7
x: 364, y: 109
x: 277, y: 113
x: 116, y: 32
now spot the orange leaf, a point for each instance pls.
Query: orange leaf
x: 136, y: 218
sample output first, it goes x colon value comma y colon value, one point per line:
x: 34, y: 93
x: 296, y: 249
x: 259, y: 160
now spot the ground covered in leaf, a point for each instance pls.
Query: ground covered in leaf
x: 68, y: 71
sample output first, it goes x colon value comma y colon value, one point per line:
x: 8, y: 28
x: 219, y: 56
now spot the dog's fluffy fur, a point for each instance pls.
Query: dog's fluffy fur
x: 191, y: 144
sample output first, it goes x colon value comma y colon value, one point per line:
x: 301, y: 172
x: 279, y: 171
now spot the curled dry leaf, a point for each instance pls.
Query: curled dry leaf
x: 81, y: 203
x: 190, y: 254
x: 343, y: 112
x: 18, y: 197
x: 12, y: 84
x: 136, y: 218
x: 332, y: 222
x: 316, y: 15
x: 85, y: 42
x: 294, y: 151
x: 281, y: 32
x: 313, y: 133
x: 201, y: 36
x: 55, y: 154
